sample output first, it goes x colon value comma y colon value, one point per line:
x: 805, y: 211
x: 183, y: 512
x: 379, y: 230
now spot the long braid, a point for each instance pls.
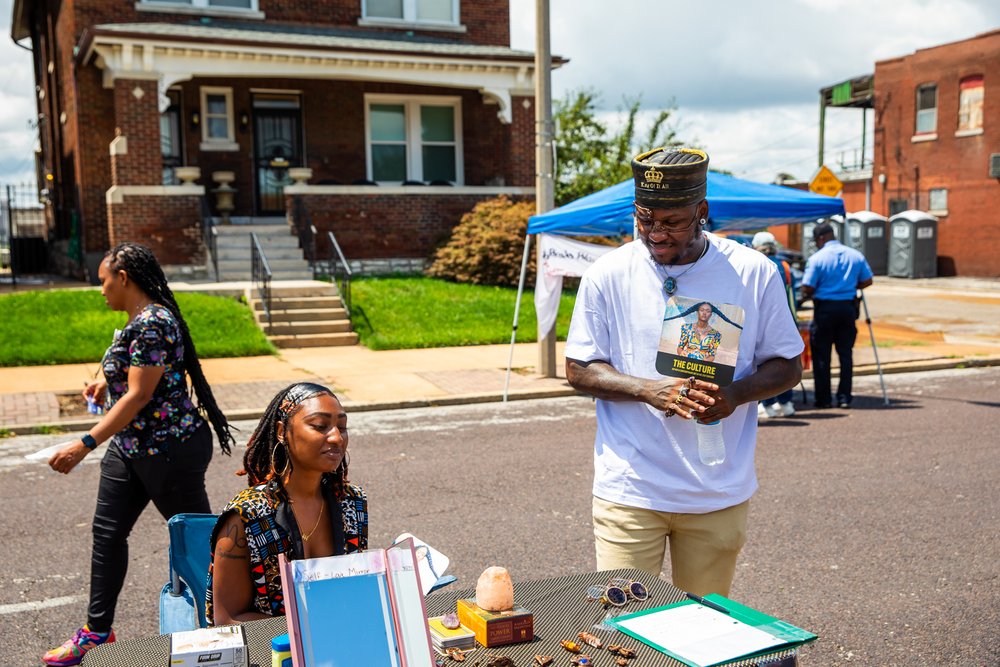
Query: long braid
x: 141, y: 266
x: 266, y: 458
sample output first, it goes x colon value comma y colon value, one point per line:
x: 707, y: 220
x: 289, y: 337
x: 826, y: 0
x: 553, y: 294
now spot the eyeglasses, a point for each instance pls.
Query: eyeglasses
x: 644, y: 217
x: 618, y: 592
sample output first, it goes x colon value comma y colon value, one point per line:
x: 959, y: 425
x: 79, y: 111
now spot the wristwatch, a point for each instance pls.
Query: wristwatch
x: 88, y: 441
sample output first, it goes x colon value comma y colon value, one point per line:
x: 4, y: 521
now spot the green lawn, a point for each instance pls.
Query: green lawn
x: 414, y: 312
x: 70, y: 326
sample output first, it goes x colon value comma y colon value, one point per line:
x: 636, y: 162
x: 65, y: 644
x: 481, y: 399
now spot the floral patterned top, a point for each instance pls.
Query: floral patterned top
x: 152, y: 338
x: 270, y: 529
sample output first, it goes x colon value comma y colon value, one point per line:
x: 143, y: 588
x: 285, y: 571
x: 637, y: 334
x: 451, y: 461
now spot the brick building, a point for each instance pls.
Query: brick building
x: 937, y: 129
x: 407, y: 112
x: 936, y: 146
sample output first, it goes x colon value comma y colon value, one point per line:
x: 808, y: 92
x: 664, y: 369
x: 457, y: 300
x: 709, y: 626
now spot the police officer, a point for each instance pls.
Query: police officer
x: 833, y: 276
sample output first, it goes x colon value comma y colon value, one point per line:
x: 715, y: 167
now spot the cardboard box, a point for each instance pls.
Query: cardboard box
x: 497, y: 628
x: 209, y: 647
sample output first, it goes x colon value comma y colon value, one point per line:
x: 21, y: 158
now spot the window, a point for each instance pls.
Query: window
x: 217, y: 118
x: 170, y: 138
x: 414, y: 139
x: 970, y: 104
x: 927, y: 108
x: 412, y: 11
x: 898, y: 206
x: 938, y: 200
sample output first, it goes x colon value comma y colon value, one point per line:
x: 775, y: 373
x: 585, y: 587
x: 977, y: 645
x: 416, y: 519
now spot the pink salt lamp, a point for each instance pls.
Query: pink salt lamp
x: 494, y: 590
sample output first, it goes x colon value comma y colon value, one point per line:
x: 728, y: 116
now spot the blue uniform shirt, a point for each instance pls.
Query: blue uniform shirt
x: 834, y: 272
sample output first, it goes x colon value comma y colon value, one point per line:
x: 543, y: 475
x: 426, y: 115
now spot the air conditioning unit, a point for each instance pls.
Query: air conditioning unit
x: 995, y: 165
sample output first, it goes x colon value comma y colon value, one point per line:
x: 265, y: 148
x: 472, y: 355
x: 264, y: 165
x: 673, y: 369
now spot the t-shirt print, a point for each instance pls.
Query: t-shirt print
x: 700, y: 339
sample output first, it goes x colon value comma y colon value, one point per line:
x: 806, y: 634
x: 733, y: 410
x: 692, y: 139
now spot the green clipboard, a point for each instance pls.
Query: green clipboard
x: 788, y: 635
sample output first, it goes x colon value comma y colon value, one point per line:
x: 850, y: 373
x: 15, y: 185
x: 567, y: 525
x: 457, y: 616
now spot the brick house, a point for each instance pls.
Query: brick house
x: 937, y: 147
x: 407, y: 113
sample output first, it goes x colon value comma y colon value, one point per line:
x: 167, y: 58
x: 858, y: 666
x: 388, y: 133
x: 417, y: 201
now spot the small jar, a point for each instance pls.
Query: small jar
x: 281, y: 652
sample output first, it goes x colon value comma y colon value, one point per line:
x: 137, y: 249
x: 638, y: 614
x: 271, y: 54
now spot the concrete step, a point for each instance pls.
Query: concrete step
x: 315, y: 288
x: 293, y: 264
x: 271, y: 241
x: 245, y: 230
x: 315, y: 340
x: 284, y: 302
x: 234, y: 275
x: 272, y: 253
x: 298, y: 328
x: 302, y: 314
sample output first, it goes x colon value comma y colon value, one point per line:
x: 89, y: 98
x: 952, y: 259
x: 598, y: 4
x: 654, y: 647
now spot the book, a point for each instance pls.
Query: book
x: 365, y: 605
x: 700, y: 636
x: 209, y: 647
x: 445, y: 638
x: 496, y: 628
x: 431, y: 562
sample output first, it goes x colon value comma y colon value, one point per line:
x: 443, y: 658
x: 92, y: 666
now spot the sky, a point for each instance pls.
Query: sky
x: 744, y: 77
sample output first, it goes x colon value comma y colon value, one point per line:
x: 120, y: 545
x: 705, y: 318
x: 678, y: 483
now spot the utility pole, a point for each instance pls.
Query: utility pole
x: 544, y: 185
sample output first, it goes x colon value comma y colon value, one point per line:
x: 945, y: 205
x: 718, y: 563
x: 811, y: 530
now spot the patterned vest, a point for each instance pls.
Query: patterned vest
x: 270, y: 529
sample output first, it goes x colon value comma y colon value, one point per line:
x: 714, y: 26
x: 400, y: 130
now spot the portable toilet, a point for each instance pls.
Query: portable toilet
x: 808, y: 245
x: 913, y: 245
x: 866, y: 234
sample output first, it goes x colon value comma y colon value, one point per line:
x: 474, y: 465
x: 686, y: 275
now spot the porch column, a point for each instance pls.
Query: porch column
x: 167, y: 218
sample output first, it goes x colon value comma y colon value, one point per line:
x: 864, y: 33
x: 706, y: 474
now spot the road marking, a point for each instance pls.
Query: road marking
x: 36, y: 606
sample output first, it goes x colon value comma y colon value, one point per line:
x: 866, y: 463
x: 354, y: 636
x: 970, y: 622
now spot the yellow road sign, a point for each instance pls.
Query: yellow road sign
x: 825, y: 183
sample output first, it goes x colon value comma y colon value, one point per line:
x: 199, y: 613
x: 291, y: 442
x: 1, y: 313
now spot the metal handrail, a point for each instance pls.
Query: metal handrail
x: 342, y: 278
x: 210, y: 236
x: 260, y: 274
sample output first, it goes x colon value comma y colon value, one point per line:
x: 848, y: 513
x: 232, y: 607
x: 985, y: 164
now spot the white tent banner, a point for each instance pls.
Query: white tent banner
x: 561, y: 256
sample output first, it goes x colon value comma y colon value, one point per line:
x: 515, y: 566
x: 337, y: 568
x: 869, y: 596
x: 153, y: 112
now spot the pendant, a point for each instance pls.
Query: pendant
x: 670, y: 285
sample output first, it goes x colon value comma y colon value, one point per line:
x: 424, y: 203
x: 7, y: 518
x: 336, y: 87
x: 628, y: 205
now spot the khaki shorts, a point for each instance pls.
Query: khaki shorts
x: 703, y: 547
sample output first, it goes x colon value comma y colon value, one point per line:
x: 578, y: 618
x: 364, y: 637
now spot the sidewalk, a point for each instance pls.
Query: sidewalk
x: 919, y: 325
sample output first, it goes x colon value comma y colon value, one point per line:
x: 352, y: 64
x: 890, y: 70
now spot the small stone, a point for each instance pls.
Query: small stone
x: 450, y: 621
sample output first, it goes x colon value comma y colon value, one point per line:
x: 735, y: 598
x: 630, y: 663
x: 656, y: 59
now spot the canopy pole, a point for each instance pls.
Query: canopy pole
x: 544, y: 138
x: 517, y: 312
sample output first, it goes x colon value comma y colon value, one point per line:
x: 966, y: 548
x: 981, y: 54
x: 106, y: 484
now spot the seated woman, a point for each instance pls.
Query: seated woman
x: 299, y: 503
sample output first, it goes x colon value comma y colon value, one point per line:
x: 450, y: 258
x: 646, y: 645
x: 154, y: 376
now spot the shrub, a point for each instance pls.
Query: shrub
x: 487, y: 245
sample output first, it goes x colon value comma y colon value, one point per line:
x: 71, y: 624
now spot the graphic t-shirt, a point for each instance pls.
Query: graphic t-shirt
x: 624, y: 317
x: 152, y: 338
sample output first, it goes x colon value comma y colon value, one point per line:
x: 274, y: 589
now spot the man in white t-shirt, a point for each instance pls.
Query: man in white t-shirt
x: 651, y: 487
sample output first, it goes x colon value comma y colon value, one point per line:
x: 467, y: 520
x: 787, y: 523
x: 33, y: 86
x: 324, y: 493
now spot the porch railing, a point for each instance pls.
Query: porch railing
x: 340, y: 271
x: 260, y: 275
x: 210, y: 236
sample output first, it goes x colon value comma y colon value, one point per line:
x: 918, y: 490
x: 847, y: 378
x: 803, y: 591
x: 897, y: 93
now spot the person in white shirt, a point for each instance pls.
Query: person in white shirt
x: 650, y: 487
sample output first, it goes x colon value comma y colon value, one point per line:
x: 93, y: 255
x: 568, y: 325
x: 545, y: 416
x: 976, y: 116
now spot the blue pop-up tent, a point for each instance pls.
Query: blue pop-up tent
x: 733, y: 204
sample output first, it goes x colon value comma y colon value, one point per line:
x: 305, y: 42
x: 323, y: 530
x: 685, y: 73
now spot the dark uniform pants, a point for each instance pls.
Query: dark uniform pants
x: 832, y: 326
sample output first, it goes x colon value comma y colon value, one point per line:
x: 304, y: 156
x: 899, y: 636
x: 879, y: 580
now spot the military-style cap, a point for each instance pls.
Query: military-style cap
x: 670, y: 177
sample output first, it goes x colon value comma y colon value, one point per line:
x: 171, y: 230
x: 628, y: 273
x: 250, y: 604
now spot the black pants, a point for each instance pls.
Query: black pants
x: 174, y: 481
x: 833, y: 326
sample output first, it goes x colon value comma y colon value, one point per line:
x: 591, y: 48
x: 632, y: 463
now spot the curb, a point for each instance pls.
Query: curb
x: 82, y: 424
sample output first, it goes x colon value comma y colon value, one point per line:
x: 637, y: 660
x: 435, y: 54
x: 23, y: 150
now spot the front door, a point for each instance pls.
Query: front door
x: 277, y: 146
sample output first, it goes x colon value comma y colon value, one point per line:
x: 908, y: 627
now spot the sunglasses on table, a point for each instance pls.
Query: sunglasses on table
x: 618, y: 592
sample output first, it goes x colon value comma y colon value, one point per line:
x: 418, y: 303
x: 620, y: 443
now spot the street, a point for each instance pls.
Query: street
x: 876, y: 527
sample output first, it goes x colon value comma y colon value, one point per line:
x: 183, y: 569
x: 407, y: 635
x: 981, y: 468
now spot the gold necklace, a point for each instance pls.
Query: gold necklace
x: 322, y: 506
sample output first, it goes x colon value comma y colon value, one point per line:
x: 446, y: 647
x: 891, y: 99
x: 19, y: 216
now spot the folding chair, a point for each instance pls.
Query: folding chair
x: 182, y: 600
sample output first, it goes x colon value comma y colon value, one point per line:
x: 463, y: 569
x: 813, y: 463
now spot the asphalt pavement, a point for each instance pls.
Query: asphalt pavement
x: 874, y: 527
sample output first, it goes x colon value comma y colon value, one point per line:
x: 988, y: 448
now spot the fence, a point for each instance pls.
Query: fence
x: 23, y: 232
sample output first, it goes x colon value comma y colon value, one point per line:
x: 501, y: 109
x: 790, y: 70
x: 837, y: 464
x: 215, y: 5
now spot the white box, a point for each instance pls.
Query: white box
x: 209, y: 647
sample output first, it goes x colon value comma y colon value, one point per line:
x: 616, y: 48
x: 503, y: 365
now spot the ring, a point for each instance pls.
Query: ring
x: 677, y: 400
x: 691, y: 382
x: 684, y: 391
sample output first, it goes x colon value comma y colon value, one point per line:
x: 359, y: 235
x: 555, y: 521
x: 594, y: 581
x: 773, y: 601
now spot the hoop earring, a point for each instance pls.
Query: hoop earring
x: 288, y: 460
x: 702, y: 222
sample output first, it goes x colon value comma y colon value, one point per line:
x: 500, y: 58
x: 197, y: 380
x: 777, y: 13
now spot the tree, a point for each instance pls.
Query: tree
x: 588, y: 158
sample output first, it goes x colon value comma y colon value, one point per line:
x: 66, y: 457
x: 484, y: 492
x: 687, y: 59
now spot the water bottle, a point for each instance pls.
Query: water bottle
x: 711, y: 446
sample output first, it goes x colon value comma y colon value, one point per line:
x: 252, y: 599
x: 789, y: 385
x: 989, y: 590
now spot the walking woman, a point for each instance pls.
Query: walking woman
x: 160, y: 445
x: 299, y: 503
